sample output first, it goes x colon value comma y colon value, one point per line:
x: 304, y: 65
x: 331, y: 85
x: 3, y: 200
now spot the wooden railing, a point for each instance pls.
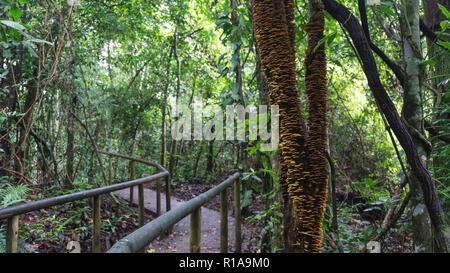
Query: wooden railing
x: 143, y: 236
x: 12, y: 213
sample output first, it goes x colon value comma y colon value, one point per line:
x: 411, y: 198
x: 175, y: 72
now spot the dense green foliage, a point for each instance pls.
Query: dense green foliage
x: 99, y: 71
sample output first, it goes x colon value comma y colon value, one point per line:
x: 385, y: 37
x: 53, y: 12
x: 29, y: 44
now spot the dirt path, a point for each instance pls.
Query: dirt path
x: 178, y: 240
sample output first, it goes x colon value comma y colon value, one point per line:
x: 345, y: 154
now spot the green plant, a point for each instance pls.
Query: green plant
x: 11, y: 195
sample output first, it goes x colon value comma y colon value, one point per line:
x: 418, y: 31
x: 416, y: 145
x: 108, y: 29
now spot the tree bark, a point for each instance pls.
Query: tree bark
x: 433, y: 18
x: 267, y: 185
x: 210, y: 161
x: 237, y: 54
x: 70, y: 115
x: 412, y: 112
x: 303, y: 171
x: 173, y: 151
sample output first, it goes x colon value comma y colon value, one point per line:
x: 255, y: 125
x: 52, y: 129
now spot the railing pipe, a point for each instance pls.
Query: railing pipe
x: 59, y: 200
x: 156, y: 165
x: 12, y: 213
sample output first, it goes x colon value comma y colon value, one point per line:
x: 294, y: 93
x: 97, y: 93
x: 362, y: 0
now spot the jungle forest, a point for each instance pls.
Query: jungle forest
x: 231, y: 126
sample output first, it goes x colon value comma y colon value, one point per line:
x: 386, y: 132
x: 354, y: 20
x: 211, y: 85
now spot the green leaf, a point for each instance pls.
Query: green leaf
x: 13, y: 25
x: 246, y: 198
x: 444, y: 25
x: 39, y: 41
x: 386, y: 10
x: 328, y: 39
x: 429, y: 62
x: 245, y: 176
x: 444, y: 44
x: 257, y: 179
x: 15, y: 33
x: 320, y: 43
x: 16, y: 13
x: 444, y: 11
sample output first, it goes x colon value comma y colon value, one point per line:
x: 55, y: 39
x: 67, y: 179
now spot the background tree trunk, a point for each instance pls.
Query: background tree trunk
x: 440, y: 72
x: 70, y: 115
x: 413, y: 113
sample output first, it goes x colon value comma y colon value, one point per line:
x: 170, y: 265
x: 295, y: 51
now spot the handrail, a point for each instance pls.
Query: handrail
x: 153, y: 164
x: 140, y: 189
x: 143, y: 236
x: 13, y: 212
x: 62, y: 199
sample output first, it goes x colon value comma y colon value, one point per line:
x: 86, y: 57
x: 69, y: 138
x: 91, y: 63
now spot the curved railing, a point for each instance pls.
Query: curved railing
x: 143, y: 236
x: 13, y: 213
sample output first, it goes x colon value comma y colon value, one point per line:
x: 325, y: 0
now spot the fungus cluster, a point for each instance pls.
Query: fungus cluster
x: 303, y: 169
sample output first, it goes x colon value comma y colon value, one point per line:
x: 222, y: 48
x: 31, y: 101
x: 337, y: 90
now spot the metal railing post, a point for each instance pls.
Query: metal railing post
x: 141, y: 204
x: 158, y: 198
x: 96, y: 245
x: 132, y: 174
x: 110, y: 171
x: 12, y: 234
x: 237, y: 214
x: 224, y: 221
x: 168, y: 201
x: 196, y: 230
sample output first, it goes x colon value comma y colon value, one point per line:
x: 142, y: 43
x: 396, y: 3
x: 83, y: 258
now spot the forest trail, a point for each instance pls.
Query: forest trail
x: 178, y: 240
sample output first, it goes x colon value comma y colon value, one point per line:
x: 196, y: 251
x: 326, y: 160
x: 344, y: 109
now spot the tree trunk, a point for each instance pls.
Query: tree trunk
x: 267, y: 186
x: 173, y: 151
x: 22, y: 145
x: 303, y: 171
x: 70, y: 118
x: 197, y: 159
x: 8, y: 104
x: 21, y: 151
x: 433, y: 18
x: 237, y: 54
x: 412, y: 112
x: 210, y: 162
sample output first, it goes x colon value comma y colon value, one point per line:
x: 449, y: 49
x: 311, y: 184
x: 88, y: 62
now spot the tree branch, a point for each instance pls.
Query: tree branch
x: 396, y: 68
